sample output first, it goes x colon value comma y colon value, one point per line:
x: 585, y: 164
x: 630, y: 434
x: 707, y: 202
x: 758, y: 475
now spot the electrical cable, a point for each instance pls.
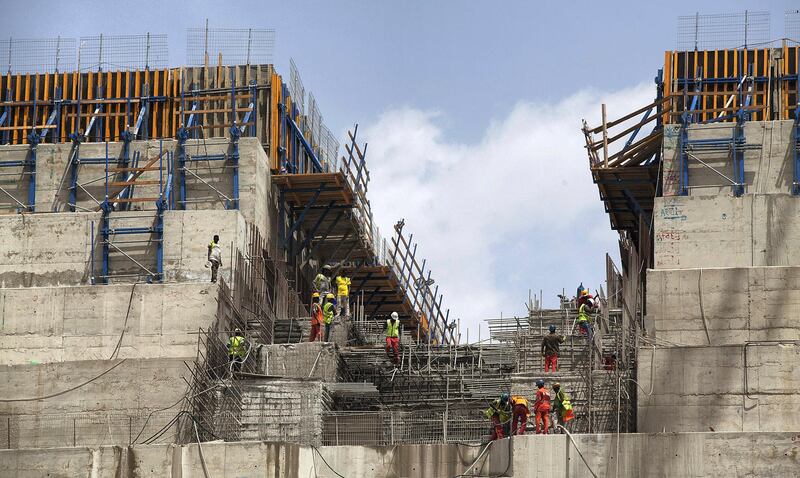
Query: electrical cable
x: 326, y: 463
x: 124, y: 325
x: 200, y: 449
x: 578, y: 450
x: 44, y: 397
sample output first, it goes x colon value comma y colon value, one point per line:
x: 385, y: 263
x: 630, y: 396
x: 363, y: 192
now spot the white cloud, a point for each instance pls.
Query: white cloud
x: 515, y: 210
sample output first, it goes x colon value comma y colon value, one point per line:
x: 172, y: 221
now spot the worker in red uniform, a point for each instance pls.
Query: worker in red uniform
x: 541, y: 407
x: 519, y: 414
x: 550, y: 348
x: 499, y: 412
x: 393, y: 337
x: 316, y: 318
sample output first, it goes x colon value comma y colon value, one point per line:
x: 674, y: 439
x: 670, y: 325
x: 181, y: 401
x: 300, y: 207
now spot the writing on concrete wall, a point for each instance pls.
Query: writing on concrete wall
x: 668, y: 235
x: 672, y: 212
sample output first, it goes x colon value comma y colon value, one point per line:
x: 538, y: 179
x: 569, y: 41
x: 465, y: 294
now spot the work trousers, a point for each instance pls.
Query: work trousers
x: 497, y: 427
x: 519, y: 420
x: 328, y: 328
x: 586, y: 328
x: 316, y: 333
x: 542, y: 417
x: 551, y: 361
x: 393, y: 346
x: 343, y: 303
x: 214, y: 269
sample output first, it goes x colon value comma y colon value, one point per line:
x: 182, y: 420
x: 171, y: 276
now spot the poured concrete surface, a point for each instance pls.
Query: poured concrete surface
x: 724, y: 231
x: 706, y: 388
x: 630, y: 455
x: 59, y: 324
x: 734, y: 305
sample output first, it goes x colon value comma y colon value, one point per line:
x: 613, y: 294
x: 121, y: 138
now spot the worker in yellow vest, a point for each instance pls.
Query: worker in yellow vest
x: 236, y: 350
x: 393, y: 337
x: 343, y: 296
x: 519, y: 414
x: 328, y: 310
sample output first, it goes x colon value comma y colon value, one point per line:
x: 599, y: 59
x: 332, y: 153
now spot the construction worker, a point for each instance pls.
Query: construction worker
x: 316, y: 318
x: 393, y: 338
x: 322, y: 282
x: 343, y: 296
x: 499, y: 412
x: 328, y: 311
x: 214, y: 257
x: 583, y: 320
x: 541, y: 407
x: 519, y: 414
x: 550, y: 348
x: 236, y: 350
x: 562, y: 406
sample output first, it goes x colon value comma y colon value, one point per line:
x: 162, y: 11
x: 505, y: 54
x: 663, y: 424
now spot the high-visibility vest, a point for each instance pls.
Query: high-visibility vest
x: 542, y: 400
x: 343, y: 286
x: 582, y: 316
x: 216, y: 252
x: 316, y: 314
x: 520, y: 400
x: 327, y: 313
x: 503, y: 413
x: 236, y: 346
x: 392, y: 330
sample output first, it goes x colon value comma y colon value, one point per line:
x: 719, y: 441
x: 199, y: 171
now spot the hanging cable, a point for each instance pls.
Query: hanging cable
x: 44, y: 397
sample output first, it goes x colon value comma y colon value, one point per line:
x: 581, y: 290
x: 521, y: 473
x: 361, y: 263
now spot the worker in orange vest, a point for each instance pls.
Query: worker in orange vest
x: 519, y: 414
x: 541, y: 407
x: 316, y: 319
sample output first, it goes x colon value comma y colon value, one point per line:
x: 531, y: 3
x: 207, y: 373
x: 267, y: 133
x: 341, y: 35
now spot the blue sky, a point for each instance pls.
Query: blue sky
x: 472, y: 110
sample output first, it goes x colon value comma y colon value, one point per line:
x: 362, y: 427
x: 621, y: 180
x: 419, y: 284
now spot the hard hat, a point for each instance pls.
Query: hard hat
x: 584, y: 292
x: 315, y: 294
x: 395, y: 316
x: 237, y: 330
x: 552, y: 328
x: 540, y: 383
x: 326, y: 267
x: 556, y: 385
x: 330, y: 296
x: 504, y: 398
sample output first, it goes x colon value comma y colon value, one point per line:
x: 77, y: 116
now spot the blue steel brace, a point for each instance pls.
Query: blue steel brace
x: 33, y: 140
x: 796, y: 151
x: 5, y: 117
x: 74, y: 164
x: 683, y: 145
x: 235, y: 134
x: 105, y: 230
x: 737, y: 153
x: 183, y: 135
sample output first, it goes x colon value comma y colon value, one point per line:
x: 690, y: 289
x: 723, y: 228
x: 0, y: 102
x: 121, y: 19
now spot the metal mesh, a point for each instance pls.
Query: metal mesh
x: 296, y: 89
x: 792, y: 25
x: 124, y: 52
x: 723, y: 30
x: 246, y: 46
x: 38, y: 55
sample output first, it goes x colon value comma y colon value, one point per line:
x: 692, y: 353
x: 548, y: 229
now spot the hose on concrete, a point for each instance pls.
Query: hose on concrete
x: 125, y: 324
x: 326, y: 462
x: 200, y: 449
x: 579, y: 451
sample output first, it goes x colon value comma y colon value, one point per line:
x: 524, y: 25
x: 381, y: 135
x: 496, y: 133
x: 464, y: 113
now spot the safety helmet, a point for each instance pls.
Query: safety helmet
x: 395, y: 316
x: 585, y: 292
x: 236, y: 330
x: 315, y: 294
x: 556, y: 386
x: 552, y: 328
x: 504, y: 398
x: 540, y: 383
x: 330, y: 296
x: 326, y: 267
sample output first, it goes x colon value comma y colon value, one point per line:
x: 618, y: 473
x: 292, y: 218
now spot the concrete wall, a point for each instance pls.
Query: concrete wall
x: 56, y: 249
x: 57, y: 324
x: 135, y: 385
x: 723, y: 231
x: 319, y: 360
x: 735, y: 305
x: 768, y: 168
x: 703, y: 388
x: 46, y: 249
x: 640, y: 455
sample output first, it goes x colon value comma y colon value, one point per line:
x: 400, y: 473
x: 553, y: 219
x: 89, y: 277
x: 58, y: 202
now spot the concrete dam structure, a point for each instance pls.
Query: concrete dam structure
x: 116, y: 344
